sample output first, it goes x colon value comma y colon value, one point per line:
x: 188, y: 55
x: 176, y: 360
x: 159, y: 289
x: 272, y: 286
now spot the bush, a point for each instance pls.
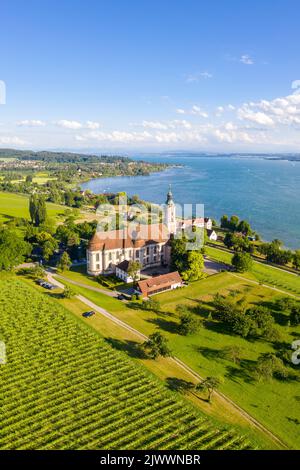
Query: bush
x: 151, y: 304
x: 68, y: 293
x: 242, y: 262
x: 189, y: 324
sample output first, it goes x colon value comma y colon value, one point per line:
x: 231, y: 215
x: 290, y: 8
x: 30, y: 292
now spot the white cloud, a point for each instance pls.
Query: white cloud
x: 180, y: 123
x: 4, y: 140
x: 194, y: 110
x: 231, y: 136
x: 279, y: 111
x: 296, y: 86
x: 246, y: 59
x: 69, y: 124
x: 257, y: 117
x: 220, y: 110
x: 196, y: 77
x: 231, y: 107
x: 154, y: 125
x: 75, y: 125
x: 92, y: 125
x: 157, y: 125
x: 31, y: 123
x: 114, y: 136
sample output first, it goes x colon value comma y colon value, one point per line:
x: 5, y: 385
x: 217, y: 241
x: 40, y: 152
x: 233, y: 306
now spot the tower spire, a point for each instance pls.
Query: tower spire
x: 170, y: 212
x: 169, y: 196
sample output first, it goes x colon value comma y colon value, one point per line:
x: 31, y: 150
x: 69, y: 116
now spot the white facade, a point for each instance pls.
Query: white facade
x: 125, y: 276
x: 212, y: 235
x: 170, y: 214
x: 105, y: 261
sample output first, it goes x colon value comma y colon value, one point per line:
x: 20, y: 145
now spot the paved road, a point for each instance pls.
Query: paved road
x: 177, y: 361
x: 213, y: 267
x: 81, y: 284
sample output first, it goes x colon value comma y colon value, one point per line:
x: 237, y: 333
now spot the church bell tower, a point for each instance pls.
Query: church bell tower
x: 170, y: 213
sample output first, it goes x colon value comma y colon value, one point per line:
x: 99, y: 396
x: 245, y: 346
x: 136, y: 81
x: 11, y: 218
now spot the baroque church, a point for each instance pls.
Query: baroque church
x: 109, y: 251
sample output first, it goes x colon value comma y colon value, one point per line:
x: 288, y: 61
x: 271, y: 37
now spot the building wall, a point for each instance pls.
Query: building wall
x: 104, y: 262
x: 124, y: 276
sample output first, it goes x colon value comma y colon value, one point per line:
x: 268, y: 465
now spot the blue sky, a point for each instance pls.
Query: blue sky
x: 150, y: 75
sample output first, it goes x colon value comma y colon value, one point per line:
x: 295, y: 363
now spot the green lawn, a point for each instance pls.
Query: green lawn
x: 16, y: 205
x: 276, y: 404
x: 79, y: 274
x: 262, y: 272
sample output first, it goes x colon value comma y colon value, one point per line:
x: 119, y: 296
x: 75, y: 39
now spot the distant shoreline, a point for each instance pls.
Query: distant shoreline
x: 263, y: 156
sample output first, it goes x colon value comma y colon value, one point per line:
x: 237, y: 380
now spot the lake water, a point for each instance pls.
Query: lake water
x: 265, y: 192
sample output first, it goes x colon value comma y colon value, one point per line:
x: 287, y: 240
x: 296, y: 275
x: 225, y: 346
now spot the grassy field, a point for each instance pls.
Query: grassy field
x: 16, y: 205
x: 262, y: 273
x: 42, y: 178
x: 277, y: 403
x: 65, y: 387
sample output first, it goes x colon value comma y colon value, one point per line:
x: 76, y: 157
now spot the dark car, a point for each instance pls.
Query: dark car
x: 121, y: 297
x: 88, y: 314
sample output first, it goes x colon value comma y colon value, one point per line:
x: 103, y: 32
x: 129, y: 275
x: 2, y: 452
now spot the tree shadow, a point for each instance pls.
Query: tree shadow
x: 293, y: 420
x: 179, y: 385
x: 203, y: 310
x: 295, y: 334
x: 279, y: 317
x: 132, y: 348
x: 54, y: 295
x: 243, y: 371
x: 134, y: 305
x: 166, y: 325
x: 209, y: 353
x: 218, y: 327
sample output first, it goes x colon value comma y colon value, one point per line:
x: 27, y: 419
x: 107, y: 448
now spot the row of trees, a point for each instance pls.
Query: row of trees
x: 234, y: 224
x: 238, y: 239
x: 275, y: 253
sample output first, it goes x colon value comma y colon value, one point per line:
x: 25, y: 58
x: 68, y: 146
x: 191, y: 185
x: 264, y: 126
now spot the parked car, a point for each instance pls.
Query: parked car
x: 88, y: 314
x: 46, y: 285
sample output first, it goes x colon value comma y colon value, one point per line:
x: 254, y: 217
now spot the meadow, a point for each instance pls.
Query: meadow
x: 261, y: 272
x: 64, y: 387
x: 275, y: 403
x: 16, y: 205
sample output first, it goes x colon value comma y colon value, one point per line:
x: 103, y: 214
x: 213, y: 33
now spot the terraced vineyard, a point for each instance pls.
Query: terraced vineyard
x: 63, y: 387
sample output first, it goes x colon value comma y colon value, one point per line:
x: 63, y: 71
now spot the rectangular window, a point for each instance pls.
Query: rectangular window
x: 97, y: 257
x: 148, y: 250
x: 97, y: 267
x: 110, y: 256
x: 137, y: 253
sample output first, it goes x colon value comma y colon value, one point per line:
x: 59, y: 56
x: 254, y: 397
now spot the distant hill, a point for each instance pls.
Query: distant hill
x: 64, y: 157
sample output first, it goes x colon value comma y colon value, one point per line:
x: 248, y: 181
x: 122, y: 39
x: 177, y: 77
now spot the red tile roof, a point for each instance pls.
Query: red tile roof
x: 153, y: 284
x: 143, y: 235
